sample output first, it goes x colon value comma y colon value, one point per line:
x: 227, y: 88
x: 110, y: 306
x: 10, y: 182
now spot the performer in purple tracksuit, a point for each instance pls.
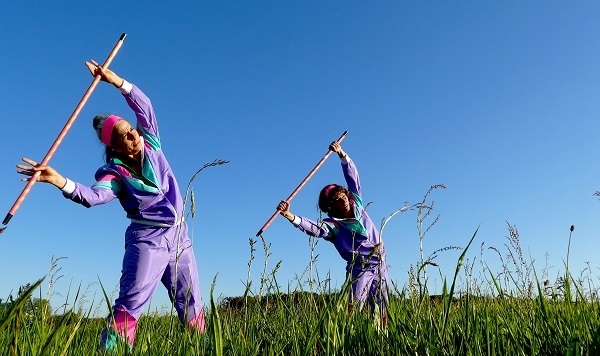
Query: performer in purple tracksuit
x: 353, y: 234
x: 157, y: 247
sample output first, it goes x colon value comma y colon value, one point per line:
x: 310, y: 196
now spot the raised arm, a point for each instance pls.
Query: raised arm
x: 137, y: 101
x: 144, y: 113
x: 348, y: 167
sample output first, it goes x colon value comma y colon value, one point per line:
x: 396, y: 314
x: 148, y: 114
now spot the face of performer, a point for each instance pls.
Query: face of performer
x: 340, y: 205
x: 126, y: 139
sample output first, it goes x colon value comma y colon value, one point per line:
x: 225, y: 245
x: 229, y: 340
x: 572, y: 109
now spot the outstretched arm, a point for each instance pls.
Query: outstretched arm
x: 308, y: 226
x: 105, y: 189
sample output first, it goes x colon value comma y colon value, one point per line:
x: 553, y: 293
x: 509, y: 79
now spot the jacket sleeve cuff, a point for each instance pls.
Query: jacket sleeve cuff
x: 126, y: 87
x: 69, y: 187
x: 345, y: 159
x: 296, y: 220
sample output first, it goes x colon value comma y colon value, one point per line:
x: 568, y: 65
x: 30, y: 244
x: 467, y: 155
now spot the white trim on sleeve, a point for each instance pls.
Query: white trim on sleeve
x: 126, y: 87
x: 69, y: 187
x: 296, y: 220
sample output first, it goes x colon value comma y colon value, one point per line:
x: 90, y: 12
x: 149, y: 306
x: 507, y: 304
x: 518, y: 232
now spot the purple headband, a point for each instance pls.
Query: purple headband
x: 328, y: 189
x: 107, y: 129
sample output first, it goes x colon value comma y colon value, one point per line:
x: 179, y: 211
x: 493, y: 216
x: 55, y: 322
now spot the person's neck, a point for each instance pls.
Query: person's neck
x: 345, y: 215
x: 133, y: 160
x: 136, y: 157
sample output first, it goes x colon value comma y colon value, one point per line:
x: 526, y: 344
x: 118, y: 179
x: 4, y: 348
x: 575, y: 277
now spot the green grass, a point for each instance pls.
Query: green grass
x: 506, y: 312
x: 302, y: 323
x: 313, y: 324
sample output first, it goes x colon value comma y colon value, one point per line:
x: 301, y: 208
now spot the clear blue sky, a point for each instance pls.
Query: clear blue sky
x: 498, y: 101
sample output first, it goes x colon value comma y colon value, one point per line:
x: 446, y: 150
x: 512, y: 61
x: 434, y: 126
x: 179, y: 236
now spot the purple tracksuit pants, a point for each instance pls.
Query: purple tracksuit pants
x: 369, y: 284
x: 153, y: 255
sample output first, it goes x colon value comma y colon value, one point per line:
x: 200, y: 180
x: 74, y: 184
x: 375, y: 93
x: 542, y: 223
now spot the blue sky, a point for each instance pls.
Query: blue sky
x: 498, y: 101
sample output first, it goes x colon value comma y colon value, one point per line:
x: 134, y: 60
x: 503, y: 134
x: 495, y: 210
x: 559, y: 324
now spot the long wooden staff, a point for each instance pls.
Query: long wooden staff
x: 310, y: 174
x: 62, y: 134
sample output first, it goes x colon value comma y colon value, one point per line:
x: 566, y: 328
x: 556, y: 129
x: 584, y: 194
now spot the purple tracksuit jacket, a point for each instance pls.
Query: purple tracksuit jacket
x: 157, y: 247
x: 153, y: 196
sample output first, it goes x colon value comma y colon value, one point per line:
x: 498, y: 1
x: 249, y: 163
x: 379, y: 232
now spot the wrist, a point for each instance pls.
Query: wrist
x: 118, y: 82
x: 60, y: 182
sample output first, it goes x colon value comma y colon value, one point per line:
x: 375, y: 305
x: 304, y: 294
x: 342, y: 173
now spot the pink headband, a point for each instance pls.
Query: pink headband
x: 328, y: 189
x: 107, y: 129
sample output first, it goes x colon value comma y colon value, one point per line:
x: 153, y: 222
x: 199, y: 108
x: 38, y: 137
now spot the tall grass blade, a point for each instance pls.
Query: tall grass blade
x: 217, y: 329
x: 451, y: 294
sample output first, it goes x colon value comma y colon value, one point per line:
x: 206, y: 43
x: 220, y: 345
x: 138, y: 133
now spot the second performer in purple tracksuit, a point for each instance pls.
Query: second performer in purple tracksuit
x: 350, y: 229
x: 157, y: 247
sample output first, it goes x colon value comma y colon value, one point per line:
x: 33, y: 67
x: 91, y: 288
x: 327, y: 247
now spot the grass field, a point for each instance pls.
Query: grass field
x: 507, y: 312
x: 319, y: 324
